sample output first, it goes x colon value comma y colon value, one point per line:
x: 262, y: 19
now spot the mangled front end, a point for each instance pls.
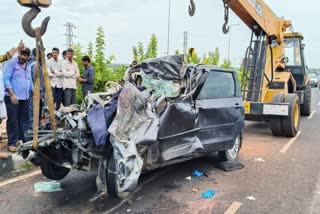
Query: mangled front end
x: 134, y: 131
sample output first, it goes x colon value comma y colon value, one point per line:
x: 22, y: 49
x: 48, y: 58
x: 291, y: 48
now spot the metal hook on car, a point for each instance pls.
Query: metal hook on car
x: 29, y: 17
x: 192, y: 8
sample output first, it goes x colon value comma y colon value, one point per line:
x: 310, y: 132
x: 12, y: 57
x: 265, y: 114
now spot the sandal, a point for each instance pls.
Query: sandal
x: 12, y: 149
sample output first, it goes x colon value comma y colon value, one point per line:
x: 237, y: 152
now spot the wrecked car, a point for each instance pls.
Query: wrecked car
x: 165, y: 112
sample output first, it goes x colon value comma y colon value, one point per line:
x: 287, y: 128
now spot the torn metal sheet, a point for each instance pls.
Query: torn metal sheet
x: 134, y: 124
x: 166, y: 68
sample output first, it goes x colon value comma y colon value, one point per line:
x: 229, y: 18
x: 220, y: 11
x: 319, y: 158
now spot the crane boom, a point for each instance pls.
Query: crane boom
x: 275, y: 84
x: 256, y: 14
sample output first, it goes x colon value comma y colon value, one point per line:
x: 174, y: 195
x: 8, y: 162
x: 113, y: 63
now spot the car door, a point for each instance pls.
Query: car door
x: 219, y: 111
x: 177, y: 132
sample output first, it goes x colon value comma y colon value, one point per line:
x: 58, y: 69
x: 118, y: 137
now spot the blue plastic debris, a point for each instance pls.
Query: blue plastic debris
x: 52, y: 186
x: 197, y: 173
x: 209, y: 194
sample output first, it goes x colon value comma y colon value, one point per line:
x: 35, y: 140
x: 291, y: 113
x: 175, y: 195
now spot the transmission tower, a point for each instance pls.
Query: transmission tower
x: 69, y: 34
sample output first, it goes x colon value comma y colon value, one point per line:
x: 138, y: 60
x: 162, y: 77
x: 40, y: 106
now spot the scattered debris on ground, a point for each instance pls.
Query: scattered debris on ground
x: 251, y: 198
x: 52, y: 186
x: 6, y: 166
x: 209, y: 194
x: 260, y: 160
x: 195, y: 190
x: 197, y: 173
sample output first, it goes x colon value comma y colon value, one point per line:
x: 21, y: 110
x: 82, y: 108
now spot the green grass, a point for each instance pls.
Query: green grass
x: 27, y: 166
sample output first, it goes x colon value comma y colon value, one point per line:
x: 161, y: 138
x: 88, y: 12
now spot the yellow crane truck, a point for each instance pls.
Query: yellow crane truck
x: 275, y: 82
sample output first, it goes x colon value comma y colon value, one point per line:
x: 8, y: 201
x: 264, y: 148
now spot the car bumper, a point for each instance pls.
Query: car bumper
x: 263, y: 111
x: 314, y: 84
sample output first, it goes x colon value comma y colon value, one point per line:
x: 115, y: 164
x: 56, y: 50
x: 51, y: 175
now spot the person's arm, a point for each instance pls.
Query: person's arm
x: 7, y: 74
x: 77, y: 72
x: 66, y: 73
x: 12, y: 52
x: 8, y: 71
x: 59, y: 73
x: 4, y: 57
x: 31, y: 88
x: 51, y: 72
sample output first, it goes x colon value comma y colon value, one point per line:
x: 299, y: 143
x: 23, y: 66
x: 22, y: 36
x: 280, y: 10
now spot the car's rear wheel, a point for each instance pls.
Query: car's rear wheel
x: 231, y: 154
x: 112, y: 181
x: 52, y: 171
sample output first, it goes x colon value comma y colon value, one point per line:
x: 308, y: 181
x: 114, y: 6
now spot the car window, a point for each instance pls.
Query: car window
x: 218, y: 85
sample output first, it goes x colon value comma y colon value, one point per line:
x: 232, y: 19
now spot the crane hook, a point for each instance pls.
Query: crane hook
x: 29, y: 17
x: 225, y: 28
x: 192, y: 8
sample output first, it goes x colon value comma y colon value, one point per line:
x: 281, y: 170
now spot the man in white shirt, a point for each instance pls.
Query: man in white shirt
x: 70, y: 73
x: 56, y: 77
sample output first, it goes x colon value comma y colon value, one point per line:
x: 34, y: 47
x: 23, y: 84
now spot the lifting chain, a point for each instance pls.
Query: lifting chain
x: 225, y: 27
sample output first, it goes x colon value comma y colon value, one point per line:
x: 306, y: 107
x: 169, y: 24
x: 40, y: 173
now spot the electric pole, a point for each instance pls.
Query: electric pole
x: 169, y: 20
x: 185, y: 42
x: 69, y: 34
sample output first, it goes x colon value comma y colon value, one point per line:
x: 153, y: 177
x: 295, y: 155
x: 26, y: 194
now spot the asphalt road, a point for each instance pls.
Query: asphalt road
x: 285, y: 180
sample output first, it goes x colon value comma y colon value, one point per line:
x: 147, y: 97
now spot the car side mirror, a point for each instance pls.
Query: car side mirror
x: 161, y: 105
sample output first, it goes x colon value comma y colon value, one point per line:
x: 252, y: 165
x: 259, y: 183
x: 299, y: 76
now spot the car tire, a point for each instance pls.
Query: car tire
x: 112, y: 180
x: 276, y: 123
x: 306, y: 106
x: 291, y: 123
x: 52, y: 171
x: 231, y: 154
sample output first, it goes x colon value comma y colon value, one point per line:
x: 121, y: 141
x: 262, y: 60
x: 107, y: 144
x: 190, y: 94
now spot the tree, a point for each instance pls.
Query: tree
x: 78, y: 56
x: 226, y: 64
x: 240, y: 74
x: 100, y: 47
x: 104, y: 72
x: 212, y: 59
x: 90, y: 50
x: 139, y: 52
x: 193, y: 59
x: 152, y: 50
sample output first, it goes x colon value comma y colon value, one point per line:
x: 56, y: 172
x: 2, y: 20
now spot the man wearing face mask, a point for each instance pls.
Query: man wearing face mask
x: 18, y: 85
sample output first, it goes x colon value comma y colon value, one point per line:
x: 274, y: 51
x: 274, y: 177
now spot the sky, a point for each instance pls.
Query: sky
x: 127, y: 22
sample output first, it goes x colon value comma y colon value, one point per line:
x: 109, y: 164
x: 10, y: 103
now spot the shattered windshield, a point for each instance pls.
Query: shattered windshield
x: 160, y: 87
